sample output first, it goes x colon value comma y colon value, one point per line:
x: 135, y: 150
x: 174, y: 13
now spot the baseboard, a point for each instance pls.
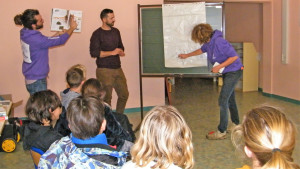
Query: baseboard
x: 137, y: 109
x: 129, y: 110
x: 23, y: 118
x: 281, y: 98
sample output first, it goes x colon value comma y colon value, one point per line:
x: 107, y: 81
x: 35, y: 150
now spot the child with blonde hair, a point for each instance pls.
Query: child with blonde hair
x: 268, y: 138
x: 165, y: 141
x: 81, y: 67
x: 75, y: 78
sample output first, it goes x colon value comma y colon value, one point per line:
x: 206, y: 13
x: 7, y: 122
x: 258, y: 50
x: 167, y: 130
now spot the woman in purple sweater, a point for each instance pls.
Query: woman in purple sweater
x: 219, y: 50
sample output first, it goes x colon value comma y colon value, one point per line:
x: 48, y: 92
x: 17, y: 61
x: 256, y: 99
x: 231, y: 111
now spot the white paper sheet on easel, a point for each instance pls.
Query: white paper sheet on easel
x: 178, y: 23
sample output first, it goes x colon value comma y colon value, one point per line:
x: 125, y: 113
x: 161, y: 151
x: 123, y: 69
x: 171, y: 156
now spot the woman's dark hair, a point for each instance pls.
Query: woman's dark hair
x: 27, y: 18
x: 40, y: 105
x: 104, y: 13
x: 92, y: 87
x: 85, y: 116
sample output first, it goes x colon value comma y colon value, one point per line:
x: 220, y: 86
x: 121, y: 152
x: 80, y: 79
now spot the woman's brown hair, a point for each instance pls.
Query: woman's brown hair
x: 202, y: 33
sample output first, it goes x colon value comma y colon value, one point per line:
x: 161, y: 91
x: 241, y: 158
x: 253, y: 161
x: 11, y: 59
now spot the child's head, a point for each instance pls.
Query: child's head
x: 74, y: 77
x: 81, y: 67
x: 43, y: 105
x: 86, y: 117
x: 267, y: 137
x: 92, y: 87
x: 165, y: 138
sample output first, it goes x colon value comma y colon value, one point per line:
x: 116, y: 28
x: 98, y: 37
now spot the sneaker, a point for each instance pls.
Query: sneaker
x: 231, y: 127
x: 216, y: 135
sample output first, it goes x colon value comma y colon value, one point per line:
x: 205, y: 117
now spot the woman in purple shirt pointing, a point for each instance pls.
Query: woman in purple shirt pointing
x: 219, y: 50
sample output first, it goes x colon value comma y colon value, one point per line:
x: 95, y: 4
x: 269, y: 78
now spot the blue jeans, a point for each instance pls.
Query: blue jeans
x: 227, y: 99
x: 37, y: 86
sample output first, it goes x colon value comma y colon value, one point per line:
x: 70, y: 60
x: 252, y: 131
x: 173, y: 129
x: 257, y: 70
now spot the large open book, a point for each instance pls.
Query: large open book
x: 60, y: 19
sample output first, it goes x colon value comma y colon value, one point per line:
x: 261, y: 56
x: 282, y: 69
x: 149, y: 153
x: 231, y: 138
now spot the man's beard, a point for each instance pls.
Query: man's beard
x: 39, y: 26
x: 110, y: 24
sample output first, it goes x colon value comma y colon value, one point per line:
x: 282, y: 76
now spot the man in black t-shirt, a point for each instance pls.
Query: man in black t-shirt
x: 107, y: 47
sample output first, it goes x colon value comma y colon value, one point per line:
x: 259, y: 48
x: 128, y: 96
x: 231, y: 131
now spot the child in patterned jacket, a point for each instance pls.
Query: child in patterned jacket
x: 87, y: 145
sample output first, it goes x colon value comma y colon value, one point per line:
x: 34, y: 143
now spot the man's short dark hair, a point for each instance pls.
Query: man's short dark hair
x: 27, y: 18
x: 74, y: 77
x: 104, y: 13
x: 40, y: 105
x: 85, y: 116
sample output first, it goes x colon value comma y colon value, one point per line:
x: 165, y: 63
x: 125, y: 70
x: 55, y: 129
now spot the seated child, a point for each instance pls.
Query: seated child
x: 87, y: 146
x: 41, y: 109
x: 75, y: 77
x: 81, y: 67
x: 116, y: 134
x: 165, y: 141
x: 267, y: 137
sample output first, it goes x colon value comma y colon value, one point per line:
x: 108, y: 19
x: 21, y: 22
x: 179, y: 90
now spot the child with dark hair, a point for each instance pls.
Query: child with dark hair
x: 87, y: 147
x: 118, y: 129
x: 42, y: 108
x: 92, y: 87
